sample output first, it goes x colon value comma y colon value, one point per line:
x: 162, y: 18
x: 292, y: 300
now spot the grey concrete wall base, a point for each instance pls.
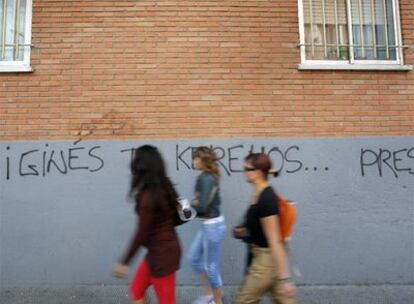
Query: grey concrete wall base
x: 89, y: 294
x: 65, y: 217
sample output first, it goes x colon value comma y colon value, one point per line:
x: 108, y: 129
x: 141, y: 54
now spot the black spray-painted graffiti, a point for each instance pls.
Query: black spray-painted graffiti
x: 384, y: 161
x: 231, y: 158
x: 286, y: 160
x: 41, y: 162
x: 46, y: 160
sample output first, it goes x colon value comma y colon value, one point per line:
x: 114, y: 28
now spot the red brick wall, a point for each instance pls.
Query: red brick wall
x: 182, y: 69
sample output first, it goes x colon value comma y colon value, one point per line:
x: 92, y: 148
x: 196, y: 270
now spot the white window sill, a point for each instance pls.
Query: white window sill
x: 15, y: 68
x: 355, y: 67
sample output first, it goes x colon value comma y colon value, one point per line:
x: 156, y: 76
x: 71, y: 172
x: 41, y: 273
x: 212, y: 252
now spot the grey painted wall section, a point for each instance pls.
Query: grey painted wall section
x: 64, y: 215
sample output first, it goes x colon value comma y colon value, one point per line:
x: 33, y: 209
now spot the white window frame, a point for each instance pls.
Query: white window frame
x: 24, y: 65
x: 352, y: 63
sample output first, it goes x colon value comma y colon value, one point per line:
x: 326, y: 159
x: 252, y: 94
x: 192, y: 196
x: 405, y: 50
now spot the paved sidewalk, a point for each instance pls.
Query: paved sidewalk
x: 91, y: 294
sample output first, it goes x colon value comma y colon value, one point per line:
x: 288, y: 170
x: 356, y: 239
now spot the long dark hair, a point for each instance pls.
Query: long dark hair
x: 149, y: 174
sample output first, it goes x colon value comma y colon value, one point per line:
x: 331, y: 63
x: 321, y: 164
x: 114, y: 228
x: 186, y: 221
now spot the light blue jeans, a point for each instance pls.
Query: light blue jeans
x: 204, y: 253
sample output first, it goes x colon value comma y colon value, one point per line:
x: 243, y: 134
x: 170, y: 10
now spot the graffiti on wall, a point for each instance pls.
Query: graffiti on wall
x: 41, y: 161
x: 385, y: 161
x: 45, y: 159
x: 231, y: 158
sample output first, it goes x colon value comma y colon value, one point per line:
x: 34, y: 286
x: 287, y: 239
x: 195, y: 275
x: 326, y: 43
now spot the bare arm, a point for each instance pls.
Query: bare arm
x: 270, y: 225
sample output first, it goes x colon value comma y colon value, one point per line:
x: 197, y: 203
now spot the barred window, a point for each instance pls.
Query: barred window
x: 15, y: 35
x: 350, y: 31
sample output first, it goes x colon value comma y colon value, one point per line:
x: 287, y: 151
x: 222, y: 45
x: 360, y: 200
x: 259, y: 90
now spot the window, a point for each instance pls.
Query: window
x: 15, y: 35
x: 350, y: 34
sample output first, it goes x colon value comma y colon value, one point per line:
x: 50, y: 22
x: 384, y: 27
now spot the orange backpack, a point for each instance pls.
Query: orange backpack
x: 287, y: 217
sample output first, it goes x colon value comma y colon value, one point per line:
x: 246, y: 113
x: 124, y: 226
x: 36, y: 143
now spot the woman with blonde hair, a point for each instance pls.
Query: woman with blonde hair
x: 269, y: 270
x: 204, y: 253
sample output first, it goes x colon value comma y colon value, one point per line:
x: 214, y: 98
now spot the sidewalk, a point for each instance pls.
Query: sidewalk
x: 91, y: 294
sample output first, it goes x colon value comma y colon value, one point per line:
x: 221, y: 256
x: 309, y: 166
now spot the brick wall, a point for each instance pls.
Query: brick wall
x: 183, y: 69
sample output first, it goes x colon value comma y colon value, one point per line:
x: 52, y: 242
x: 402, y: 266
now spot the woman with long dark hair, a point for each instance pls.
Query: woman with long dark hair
x: 204, y: 254
x: 156, y: 204
x: 269, y: 270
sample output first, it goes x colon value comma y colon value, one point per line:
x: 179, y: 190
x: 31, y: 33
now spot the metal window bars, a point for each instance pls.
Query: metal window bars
x: 3, y: 31
x: 369, y: 24
x: 11, y: 33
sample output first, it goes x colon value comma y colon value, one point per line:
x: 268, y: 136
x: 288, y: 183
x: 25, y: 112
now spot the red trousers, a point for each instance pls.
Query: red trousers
x: 164, y: 286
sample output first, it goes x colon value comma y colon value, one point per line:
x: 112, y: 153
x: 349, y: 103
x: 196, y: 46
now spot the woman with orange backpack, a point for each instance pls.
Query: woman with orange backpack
x: 269, y: 270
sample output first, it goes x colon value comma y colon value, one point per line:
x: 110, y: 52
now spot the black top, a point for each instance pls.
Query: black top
x: 266, y: 205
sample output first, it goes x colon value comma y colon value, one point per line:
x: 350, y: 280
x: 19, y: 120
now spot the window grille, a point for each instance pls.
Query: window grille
x: 15, y: 34
x: 353, y: 31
